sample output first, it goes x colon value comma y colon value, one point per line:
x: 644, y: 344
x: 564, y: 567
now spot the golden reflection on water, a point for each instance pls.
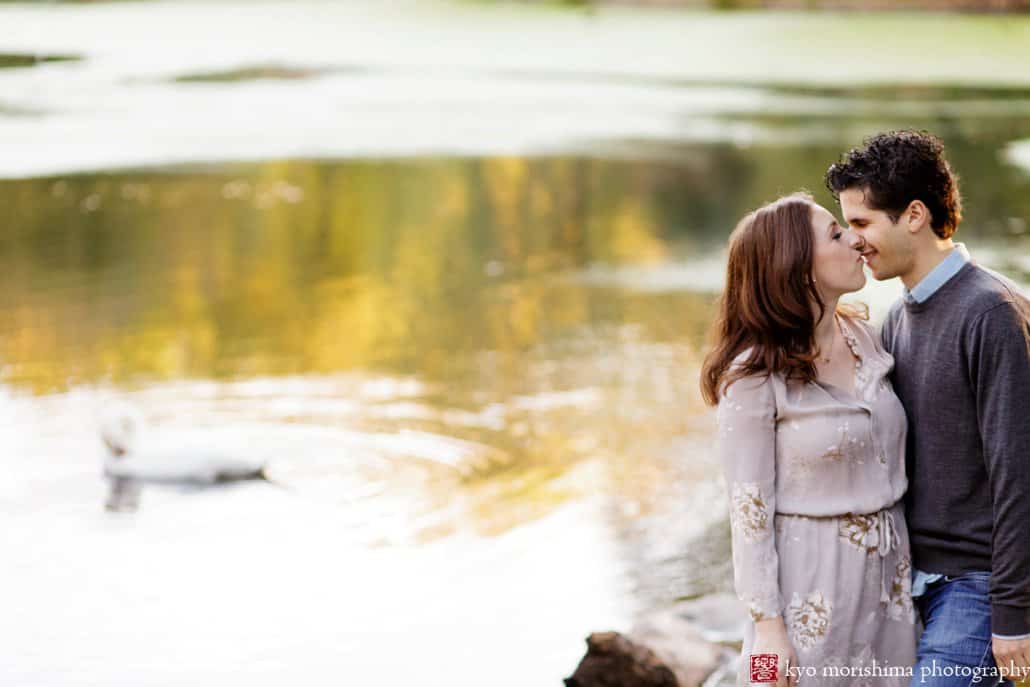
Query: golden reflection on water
x: 464, y: 274
x: 454, y: 273
x: 289, y: 268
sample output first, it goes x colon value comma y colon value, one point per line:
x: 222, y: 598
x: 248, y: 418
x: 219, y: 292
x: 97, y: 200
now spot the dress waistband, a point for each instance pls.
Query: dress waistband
x: 880, y: 514
x: 887, y: 539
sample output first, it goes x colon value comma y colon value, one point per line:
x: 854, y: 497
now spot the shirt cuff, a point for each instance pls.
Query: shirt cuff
x: 1010, y: 636
x: 1009, y: 621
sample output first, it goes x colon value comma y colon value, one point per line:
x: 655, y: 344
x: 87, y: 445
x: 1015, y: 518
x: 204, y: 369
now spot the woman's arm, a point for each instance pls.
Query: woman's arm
x: 747, y: 450
x: 747, y: 447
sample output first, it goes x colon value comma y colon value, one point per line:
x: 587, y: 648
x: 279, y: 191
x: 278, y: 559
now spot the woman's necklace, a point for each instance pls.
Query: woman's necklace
x: 833, y: 342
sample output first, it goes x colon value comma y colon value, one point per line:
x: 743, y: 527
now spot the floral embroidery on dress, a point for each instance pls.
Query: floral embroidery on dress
x: 749, y: 513
x: 799, y: 468
x: 861, y: 531
x: 844, y: 448
x: 758, y: 612
x: 808, y: 619
x: 900, y: 606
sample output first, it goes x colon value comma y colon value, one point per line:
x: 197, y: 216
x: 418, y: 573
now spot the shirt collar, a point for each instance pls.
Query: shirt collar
x: 939, y: 275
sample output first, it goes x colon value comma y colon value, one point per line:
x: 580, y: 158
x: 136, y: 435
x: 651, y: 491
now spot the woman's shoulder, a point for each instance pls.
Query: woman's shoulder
x: 740, y: 363
x: 749, y: 383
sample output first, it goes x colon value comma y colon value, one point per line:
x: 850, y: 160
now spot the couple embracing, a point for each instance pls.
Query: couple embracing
x: 879, y: 480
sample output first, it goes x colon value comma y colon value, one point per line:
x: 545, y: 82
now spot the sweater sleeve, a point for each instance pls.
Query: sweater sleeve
x: 747, y: 450
x: 1000, y: 371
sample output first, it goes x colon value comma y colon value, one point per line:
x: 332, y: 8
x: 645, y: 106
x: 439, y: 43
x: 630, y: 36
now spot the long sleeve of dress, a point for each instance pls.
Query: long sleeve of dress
x: 747, y: 447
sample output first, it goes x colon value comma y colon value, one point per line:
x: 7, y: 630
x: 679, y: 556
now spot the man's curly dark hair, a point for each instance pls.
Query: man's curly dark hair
x: 895, y: 168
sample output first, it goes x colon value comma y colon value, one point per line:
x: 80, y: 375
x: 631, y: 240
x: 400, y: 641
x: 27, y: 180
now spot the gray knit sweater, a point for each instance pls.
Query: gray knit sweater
x: 962, y: 371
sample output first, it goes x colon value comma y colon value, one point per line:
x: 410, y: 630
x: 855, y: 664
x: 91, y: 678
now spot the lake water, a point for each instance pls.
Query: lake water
x: 449, y: 268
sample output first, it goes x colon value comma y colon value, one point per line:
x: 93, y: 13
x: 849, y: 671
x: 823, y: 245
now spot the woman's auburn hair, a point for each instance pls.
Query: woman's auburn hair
x: 767, y: 303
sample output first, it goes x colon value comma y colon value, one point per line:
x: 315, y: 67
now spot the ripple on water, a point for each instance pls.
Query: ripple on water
x: 340, y: 441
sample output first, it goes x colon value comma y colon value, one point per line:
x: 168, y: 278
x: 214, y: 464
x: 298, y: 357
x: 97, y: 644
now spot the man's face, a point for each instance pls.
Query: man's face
x: 888, y: 249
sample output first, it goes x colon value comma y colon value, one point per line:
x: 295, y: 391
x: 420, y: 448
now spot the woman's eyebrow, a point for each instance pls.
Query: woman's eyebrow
x: 833, y: 224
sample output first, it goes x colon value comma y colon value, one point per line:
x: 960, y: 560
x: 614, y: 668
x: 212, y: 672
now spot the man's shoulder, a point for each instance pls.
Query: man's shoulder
x: 988, y: 304
x: 987, y: 289
x: 976, y: 290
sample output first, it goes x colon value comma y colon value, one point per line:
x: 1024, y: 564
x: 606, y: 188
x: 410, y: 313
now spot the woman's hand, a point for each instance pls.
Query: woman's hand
x: 771, y: 638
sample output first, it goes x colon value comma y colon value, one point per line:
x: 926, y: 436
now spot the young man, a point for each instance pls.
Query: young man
x: 960, y: 336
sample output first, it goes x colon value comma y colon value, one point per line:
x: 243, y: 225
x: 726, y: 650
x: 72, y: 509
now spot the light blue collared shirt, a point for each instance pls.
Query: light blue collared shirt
x: 927, y: 287
x: 939, y: 275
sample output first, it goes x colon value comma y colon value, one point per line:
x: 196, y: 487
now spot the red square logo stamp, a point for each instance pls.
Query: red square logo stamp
x: 763, y: 667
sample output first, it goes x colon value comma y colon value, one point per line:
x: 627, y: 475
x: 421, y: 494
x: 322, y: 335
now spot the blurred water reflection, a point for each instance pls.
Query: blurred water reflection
x: 420, y: 267
x: 551, y: 310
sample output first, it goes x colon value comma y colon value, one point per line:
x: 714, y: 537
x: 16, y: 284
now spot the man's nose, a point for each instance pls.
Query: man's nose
x: 856, y: 241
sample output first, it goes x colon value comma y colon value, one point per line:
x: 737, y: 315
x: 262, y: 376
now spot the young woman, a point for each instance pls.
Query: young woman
x: 812, y: 442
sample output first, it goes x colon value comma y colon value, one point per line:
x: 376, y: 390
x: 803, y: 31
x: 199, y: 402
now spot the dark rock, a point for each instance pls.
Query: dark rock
x: 613, y: 660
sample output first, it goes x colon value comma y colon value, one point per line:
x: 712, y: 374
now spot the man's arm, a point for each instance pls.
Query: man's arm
x: 1000, y: 370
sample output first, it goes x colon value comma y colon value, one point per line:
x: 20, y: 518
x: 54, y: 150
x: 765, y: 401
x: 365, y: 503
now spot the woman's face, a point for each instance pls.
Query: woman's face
x: 837, y: 260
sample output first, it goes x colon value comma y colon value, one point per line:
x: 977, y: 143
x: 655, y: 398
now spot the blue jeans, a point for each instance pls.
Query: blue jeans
x: 955, y: 647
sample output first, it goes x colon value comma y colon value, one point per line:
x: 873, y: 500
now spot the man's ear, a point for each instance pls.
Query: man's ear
x: 918, y: 216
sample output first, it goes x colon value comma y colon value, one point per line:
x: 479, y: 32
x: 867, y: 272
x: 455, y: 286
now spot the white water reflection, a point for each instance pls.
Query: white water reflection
x: 404, y: 79
x: 1018, y: 153
x: 254, y: 584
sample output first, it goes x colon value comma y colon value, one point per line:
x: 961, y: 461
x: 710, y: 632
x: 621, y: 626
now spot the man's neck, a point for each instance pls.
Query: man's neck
x: 926, y: 261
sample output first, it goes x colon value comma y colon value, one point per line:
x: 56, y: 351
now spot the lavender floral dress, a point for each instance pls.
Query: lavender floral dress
x: 815, y: 476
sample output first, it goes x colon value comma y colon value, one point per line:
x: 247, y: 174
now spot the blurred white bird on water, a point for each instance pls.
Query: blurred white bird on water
x: 135, y: 458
